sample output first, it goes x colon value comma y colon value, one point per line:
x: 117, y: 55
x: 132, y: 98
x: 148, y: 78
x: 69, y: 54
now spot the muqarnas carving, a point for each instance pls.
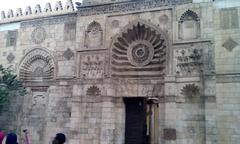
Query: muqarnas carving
x: 190, y: 90
x: 37, y: 65
x: 94, y: 35
x: 140, y: 51
x: 93, y: 91
x: 189, y: 61
x: 92, y: 66
x: 189, y: 26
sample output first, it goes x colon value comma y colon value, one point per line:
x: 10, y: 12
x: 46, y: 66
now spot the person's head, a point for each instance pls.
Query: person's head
x: 2, y: 135
x: 11, y: 138
x: 59, y: 138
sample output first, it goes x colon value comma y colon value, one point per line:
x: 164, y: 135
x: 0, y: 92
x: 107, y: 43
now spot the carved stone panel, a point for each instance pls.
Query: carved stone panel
x: 93, y: 91
x: 230, y: 44
x: 94, y: 35
x: 92, y: 66
x: 38, y: 35
x: 10, y: 58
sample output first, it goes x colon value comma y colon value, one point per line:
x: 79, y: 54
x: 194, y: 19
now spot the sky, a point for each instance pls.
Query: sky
x: 14, y: 4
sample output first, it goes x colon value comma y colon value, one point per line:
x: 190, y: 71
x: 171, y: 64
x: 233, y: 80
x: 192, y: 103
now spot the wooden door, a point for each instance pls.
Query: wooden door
x: 135, y: 130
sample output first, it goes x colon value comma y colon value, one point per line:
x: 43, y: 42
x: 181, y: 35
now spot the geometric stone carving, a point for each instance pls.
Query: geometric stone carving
x: 230, y: 44
x: 93, y: 91
x: 70, y: 31
x: 92, y: 66
x: 190, y: 90
x: 68, y: 54
x: 38, y: 65
x: 10, y: 58
x: 94, y: 35
x: 38, y: 35
x: 189, y: 25
x: 139, y: 51
x: 169, y: 134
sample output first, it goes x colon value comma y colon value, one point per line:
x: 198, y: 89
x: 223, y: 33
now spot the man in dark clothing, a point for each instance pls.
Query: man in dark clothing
x: 11, y: 138
x: 59, y: 139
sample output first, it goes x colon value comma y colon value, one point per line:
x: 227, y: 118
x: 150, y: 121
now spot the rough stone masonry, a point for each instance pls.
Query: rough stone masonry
x: 125, y: 71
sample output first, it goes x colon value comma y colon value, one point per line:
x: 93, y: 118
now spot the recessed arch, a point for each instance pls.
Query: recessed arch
x: 141, y: 49
x: 37, y: 65
x: 189, y: 25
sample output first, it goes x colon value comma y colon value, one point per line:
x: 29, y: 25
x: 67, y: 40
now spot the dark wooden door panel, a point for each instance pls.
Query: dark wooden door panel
x: 135, y: 119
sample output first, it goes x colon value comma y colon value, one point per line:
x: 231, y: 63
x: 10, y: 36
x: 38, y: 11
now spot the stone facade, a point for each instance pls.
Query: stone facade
x: 96, y: 72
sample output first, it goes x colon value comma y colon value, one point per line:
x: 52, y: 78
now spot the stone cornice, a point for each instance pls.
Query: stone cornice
x: 127, y: 6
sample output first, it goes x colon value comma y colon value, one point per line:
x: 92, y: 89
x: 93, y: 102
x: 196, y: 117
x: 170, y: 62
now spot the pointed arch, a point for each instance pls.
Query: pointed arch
x: 189, y: 26
x: 94, y: 35
x: 189, y: 15
x: 37, y: 65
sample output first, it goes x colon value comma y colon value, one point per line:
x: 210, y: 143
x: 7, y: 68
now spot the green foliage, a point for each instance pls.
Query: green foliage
x: 9, y: 86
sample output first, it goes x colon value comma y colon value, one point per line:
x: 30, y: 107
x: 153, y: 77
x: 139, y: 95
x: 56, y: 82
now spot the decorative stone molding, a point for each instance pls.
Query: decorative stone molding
x: 49, y: 21
x: 37, y: 12
x: 139, y: 51
x: 127, y: 6
x: 37, y: 65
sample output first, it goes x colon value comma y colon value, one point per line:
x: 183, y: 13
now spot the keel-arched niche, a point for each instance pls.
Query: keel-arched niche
x: 37, y: 65
x: 139, y: 50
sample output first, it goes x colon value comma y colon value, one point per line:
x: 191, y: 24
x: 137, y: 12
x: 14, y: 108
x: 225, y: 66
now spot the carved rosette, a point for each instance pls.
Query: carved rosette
x: 38, y: 35
x: 139, y: 51
x: 37, y: 65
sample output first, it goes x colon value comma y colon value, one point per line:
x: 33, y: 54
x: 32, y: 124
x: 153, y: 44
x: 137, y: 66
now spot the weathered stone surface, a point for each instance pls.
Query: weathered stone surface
x: 180, y: 58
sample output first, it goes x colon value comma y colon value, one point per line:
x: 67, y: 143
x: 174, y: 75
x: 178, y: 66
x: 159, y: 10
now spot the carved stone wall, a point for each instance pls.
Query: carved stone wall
x: 78, y: 67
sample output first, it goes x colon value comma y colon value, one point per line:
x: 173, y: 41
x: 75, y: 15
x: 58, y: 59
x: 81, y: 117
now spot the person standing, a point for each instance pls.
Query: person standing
x: 2, y: 135
x: 59, y: 139
x: 11, y: 138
